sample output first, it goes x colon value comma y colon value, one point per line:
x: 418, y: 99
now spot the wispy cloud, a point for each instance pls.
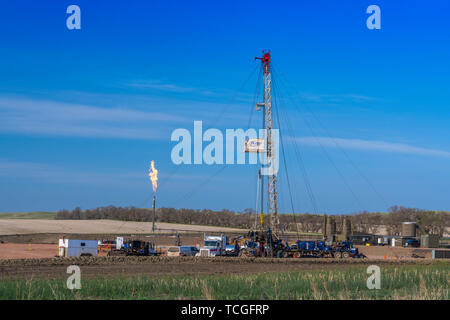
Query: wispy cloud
x: 61, y: 175
x: 161, y: 86
x: 371, y: 145
x: 57, y: 174
x: 170, y: 87
x: 334, y: 98
x: 21, y: 115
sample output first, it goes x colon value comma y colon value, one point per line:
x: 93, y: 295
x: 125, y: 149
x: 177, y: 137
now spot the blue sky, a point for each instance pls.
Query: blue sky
x: 82, y: 112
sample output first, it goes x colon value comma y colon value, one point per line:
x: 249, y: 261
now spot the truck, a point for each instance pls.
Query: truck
x: 320, y: 249
x: 308, y: 249
x: 265, y: 244
x: 214, y: 246
x: 345, y: 249
x: 411, y: 242
x: 77, y: 248
x: 134, y: 248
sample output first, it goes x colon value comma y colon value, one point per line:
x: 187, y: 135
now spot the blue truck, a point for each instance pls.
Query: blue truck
x: 319, y: 249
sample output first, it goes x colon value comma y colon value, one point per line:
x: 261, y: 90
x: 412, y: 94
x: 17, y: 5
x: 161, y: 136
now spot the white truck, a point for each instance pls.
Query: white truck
x: 213, y: 246
x: 77, y: 248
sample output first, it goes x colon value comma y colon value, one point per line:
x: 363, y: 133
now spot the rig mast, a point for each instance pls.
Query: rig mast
x: 270, y: 151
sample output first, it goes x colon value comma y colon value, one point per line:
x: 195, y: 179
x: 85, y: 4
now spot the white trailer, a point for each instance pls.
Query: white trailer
x: 77, y: 248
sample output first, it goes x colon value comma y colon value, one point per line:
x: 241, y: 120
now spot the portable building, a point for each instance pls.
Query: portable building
x: 77, y: 248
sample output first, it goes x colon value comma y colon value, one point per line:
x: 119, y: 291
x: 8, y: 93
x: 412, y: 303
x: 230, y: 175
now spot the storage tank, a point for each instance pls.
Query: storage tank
x: 346, y: 227
x: 409, y: 229
x: 429, y: 241
x: 331, y: 226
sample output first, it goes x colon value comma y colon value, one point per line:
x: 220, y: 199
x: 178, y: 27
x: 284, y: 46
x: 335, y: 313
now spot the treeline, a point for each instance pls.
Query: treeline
x: 379, y: 222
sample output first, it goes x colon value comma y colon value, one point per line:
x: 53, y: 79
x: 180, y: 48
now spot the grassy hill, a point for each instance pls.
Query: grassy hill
x: 28, y: 215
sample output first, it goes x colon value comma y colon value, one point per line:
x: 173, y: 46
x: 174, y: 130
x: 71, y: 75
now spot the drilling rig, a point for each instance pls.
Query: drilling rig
x: 266, y: 107
x: 270, y: 237
x: 273, y: 242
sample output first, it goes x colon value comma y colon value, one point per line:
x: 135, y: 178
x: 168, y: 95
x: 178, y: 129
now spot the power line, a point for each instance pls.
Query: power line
x: 344, y: 180
x: 193, y: 191
x: 284, y: 162
x: 352, y: 163
x: 300, y: 161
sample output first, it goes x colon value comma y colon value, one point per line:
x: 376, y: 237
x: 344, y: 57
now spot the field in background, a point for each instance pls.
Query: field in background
x: 397, y: 282
x: 29, y: 226
x: 28, y: 215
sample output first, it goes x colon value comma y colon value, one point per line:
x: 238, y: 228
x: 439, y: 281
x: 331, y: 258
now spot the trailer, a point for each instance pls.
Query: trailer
x: 319, y: 249
x: 134, y: 248
x: 77, y: 248
x: 305, y: 249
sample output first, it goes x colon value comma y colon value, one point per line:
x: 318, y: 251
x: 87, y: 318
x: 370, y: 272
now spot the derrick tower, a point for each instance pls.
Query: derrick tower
x: 266, y: 106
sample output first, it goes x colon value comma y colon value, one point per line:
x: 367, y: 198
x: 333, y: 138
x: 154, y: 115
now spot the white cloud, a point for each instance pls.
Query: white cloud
x: 334, y: 98
x: 19, y: 115
x: 53, y: 118
x: 371, y: 145
x: 60, y: 175
x: 175, y: 88
x: 57, y: 174
x: 161, y: 86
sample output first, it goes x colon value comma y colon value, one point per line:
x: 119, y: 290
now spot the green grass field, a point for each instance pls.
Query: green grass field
x: 28, y: 215
x: 405, y: 282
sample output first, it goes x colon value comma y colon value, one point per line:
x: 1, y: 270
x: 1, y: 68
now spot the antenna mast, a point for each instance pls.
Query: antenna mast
x: 268, y: 123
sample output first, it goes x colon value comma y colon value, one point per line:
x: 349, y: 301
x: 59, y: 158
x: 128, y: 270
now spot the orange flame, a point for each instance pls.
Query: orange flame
x: 153, y: 174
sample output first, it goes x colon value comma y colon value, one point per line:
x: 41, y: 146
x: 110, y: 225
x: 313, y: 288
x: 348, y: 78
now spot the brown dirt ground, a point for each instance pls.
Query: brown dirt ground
x: 27, y: 251
x: 52, y: 238
x: 18, y: 261
x: 389, y: 252
x: 169, y: 266
x: 27, y: 226
x: 45, y: 245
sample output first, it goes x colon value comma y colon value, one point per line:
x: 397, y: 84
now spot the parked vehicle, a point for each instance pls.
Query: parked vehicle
x: 135, y: 248
x: 308, y: 249
x: 214, y: 246
x: 231, y: 250
x: 182, y: 251
x: 412, y: 243
x: 345, y: 250
x: 106, y: 245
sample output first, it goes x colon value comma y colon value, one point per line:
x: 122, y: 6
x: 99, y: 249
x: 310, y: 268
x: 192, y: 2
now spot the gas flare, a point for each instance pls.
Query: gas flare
x: 153, y: 174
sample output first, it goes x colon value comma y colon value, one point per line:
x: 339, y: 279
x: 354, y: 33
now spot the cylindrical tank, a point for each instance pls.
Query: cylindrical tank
x: 331, y: 226
x: 346, y: 227
x: 324, y: 226
x: 408, y: 229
